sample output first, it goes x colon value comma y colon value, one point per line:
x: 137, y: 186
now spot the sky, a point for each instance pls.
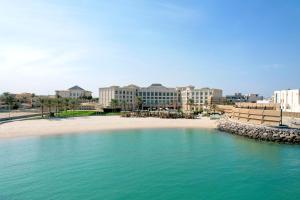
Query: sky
x: 248, y: 46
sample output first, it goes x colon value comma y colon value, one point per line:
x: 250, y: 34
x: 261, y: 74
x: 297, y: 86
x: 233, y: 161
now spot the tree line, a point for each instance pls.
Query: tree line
x: 46, y: 104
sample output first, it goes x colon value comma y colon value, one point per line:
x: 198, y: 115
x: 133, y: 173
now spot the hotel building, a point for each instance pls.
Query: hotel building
x: 156, y: 96
x: 159, y: 96
x: 73, y: 92
x: 125, y: 96
x: 195, y: 99
x: 289, y: 100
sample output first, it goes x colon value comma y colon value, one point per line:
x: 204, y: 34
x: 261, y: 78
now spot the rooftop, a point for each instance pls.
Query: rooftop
x: 76, y: 87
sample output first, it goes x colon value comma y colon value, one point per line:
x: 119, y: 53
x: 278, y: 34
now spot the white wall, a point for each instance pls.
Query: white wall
x: 289, y: 100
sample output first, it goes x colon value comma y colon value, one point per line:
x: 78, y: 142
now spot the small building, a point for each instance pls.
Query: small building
x: 74, y: 92
x: 239, y: 97
x: 289, y: 100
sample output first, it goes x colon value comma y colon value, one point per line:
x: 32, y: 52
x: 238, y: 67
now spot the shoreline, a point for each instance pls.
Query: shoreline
x: 44, y: 127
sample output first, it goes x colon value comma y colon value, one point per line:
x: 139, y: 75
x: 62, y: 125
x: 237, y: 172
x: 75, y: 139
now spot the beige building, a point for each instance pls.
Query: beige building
x: 156, y: 96
x: 125, y: 96
x: 73, y: 92
x: 193, y: 99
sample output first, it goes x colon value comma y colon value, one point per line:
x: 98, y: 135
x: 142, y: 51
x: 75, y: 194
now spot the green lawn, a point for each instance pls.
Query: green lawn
x: 82, y: 113
x: 76, y: 113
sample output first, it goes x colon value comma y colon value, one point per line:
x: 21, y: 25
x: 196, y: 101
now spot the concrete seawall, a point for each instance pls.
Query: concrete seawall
x: 259, y: 132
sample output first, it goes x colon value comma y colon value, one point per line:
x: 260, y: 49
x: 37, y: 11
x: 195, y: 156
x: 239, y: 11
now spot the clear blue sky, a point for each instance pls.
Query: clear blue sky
x: 245, y: 45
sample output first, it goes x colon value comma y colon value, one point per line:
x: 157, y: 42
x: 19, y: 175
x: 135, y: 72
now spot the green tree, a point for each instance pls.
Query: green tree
x: 42, y: 102
x: 74, y: 103
x: 9, y: 100
x: 49, y: 104
x: 139, y: 102
x: 114, y: 104
x: 58, y: 104
x: 190, y: 103
x: 66, y: 103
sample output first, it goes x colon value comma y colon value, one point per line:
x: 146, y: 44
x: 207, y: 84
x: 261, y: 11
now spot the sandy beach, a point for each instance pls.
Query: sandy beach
x: 42, y: 127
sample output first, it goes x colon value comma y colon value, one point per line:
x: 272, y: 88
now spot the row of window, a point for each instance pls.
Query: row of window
x: 199, y: 93
x: 157, y: 94
x: 154, y: 102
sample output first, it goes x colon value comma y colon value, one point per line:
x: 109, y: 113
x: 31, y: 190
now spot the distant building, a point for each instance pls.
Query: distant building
x: 73, y: 92
x: 264, y: 101
x: 289, y: 100
x: 217, y: 100
x: 239, y: 97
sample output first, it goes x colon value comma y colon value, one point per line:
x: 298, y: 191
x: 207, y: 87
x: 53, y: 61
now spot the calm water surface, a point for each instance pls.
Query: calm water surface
x: 147, y: 164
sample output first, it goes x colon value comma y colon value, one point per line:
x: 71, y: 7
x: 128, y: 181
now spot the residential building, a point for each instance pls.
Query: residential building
x: 74, y: 92
x: 195, y: 99
x: 289, y: 100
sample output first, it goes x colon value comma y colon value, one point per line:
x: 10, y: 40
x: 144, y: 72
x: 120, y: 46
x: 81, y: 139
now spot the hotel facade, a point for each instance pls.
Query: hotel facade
x: 156, y: 96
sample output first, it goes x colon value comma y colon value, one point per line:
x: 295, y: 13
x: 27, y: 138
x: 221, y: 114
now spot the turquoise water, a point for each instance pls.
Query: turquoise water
x: 148, y: 164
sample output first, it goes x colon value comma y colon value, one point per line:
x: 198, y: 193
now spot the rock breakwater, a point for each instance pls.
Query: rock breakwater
x: 260, y: 132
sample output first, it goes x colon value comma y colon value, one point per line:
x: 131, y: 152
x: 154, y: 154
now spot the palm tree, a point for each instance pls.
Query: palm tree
x: 57, y: 102
x: 138, y: 102
x: 213, y: 107
x: 49, y: 104
x: 74, y: 104
x: 123, y: 103
x: 114, y: 103
x: 66, y: 103
x: 190, y: 103
x: 42, y: 102
x: 8, y: 99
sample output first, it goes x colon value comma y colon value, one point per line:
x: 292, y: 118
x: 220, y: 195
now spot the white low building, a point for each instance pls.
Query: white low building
x: 289, y: 100
x: 73, y: 92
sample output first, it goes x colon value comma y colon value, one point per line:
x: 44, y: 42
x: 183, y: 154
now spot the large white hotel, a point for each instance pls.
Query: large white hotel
x: 157, y: 96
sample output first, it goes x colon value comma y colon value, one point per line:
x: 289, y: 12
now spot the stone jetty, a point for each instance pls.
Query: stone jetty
x: 260, y: 132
